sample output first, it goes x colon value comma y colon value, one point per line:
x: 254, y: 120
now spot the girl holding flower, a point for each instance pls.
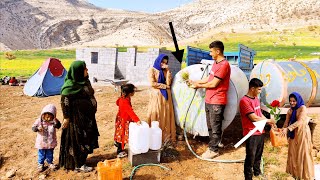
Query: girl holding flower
x: 300, y: 162
x: 160, y: 107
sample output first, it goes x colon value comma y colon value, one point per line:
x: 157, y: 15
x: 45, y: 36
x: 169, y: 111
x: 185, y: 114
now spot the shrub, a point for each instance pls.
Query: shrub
x: 311, y: 28
x: 280, y: 175
x: 10, y: 55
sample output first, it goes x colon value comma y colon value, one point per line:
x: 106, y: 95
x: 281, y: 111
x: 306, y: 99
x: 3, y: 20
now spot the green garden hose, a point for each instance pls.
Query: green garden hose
x: 137, y: 167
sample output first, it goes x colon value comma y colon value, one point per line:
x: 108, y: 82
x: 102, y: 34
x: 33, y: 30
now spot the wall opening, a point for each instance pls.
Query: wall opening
x: 135, y: 56
x: 94, y: 57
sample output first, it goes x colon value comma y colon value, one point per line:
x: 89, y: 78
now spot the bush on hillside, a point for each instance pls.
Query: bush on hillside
x: 10, y: 56
x: 312, y: 28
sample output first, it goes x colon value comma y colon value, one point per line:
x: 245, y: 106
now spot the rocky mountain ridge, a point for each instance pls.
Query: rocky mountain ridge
x: 44, y: 24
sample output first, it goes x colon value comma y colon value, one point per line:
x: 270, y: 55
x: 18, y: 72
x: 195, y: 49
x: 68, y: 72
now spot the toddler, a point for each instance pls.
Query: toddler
x: 46, y: 140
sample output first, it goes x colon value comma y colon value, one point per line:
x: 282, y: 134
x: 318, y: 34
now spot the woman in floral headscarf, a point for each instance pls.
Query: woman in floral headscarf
x: 160, y: 106
x: 300, y: 162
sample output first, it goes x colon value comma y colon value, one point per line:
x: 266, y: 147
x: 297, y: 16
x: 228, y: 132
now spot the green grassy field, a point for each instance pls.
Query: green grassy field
x: 27, y: 62
x: 278, y: 45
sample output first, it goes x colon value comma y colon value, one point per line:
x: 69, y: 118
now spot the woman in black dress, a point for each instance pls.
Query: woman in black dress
x: 80, y: 132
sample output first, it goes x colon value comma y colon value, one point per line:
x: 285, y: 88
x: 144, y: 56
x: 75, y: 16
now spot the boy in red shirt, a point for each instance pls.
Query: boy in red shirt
x: 250, y: 112
x: 217, y: 85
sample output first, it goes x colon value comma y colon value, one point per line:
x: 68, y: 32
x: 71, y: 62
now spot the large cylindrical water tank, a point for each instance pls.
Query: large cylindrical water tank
x: 196, y: 123
x: 282, y: 78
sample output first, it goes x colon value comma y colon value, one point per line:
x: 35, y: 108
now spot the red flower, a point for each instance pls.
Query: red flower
x: 275, y: 103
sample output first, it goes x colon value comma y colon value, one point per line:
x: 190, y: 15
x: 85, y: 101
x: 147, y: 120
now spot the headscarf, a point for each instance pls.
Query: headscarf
x: 75, y: 80
x: 161, y: 78
x: 50, y: 108
x: 293, y: 117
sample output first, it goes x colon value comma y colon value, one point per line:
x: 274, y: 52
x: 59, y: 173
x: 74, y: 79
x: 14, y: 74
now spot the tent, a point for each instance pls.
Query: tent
x: 47, y: 80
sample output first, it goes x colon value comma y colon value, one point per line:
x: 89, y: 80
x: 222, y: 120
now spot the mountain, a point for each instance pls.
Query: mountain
x: 44, y: 24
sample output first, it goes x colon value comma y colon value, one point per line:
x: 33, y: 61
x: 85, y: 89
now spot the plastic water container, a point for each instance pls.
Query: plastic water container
x: 276, y: 139
x: 139, y: 137
x: 155, y: 136
x: 110, y: 169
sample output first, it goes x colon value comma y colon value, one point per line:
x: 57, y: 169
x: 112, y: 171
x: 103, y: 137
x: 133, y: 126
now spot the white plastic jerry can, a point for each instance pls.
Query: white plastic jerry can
x: 155, y: 136
x: 139, y: 137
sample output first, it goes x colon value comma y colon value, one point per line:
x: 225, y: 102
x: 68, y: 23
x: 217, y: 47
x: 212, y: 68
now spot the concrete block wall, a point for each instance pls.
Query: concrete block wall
x: 174, y: 64
x: 139, y: 74
x: 105, y: 68
x: 125, y: 59
x: 130, y: 65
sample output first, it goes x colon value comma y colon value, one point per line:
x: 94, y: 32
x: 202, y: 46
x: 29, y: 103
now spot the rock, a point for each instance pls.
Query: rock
x: 11, y: 173
x: 190, y: 177
x: 86, y: 175
x: 42, y: 176
x: 318, y: 154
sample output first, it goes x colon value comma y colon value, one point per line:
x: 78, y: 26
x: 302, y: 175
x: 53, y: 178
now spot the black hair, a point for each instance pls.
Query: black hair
x: 255, y: 82
x: 292, y: 96
x: 48, y: 113
x: 217, y: 44
x: 165, y: 57
x: 126, y: 89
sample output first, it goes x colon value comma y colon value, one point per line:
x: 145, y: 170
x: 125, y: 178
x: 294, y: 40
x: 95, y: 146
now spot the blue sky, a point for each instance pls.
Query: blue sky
x: 150, y: 6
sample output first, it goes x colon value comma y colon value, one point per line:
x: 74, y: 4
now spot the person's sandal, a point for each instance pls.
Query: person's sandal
x: 209, y: 154
x: 115, y: 144
x: 122, y: 154
x: 52, y: 166
x: 40, y: 167
x: 83, y: 168
x: 180, y: 137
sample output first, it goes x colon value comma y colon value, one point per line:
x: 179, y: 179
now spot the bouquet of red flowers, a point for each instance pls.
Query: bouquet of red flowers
x: 274, y: 109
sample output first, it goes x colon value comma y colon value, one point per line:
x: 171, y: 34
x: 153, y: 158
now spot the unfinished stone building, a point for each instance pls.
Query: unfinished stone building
x: 109, y: 63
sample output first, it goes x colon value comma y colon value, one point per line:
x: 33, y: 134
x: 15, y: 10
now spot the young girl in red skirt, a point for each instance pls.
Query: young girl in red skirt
x: 124, y: 117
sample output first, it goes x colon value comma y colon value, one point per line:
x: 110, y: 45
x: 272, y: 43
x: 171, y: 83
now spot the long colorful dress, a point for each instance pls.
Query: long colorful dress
x: 159, y: 108
x: 124, y: 117
x: 79, y: 106
x: 300, y: 161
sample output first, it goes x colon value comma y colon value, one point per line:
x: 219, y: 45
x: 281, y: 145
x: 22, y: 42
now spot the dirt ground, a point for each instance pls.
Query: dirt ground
x: 17, y: 152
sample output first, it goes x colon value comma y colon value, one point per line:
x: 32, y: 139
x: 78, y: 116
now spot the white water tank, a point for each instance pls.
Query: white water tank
x: 196, y: 123
x: 281, y: 78
x: 155, y: 136
x: 139, y: 137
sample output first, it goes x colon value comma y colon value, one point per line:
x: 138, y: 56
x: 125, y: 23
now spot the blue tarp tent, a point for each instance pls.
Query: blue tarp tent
x: 48, y: 79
